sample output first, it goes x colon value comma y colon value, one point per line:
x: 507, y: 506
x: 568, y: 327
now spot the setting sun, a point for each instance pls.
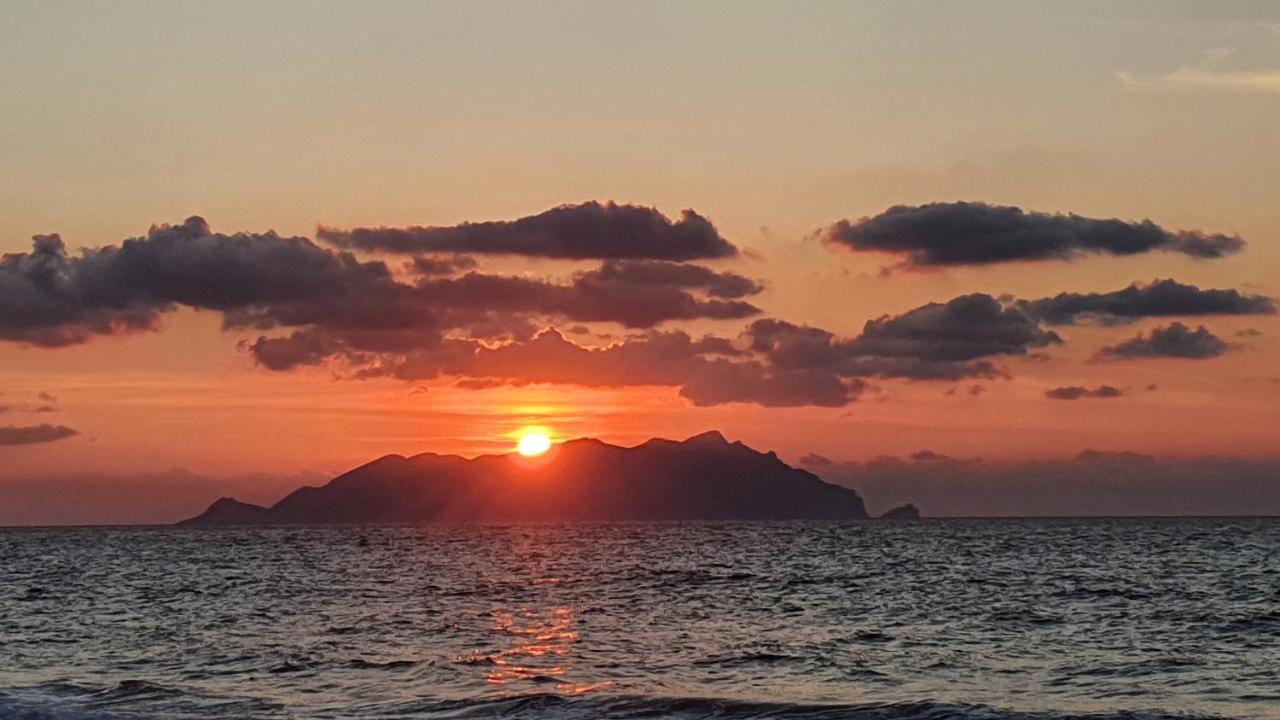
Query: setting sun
x: 533, y: 443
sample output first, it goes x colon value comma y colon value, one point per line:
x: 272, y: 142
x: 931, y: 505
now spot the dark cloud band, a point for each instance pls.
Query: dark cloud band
x: 441, y: 317
x: 34, y: 434
x: 50, y: 298
x: 1172, y: 341
x: 590, y: 230
x: 1075, y: 392
x: 1161, y: 298
x: 973, y: 233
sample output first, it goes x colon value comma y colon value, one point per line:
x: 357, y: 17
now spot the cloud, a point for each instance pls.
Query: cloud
x: 965, y: 328
x: 648, y: 273
x: 436, y: 265
x: 973, y: 233
x: 636, y: 294
x: 50, y: 298
x: 653, y: 358
x: 34, y: 434
x: 773, y: 363
x: 299, y: 348
x: 1090, y: 484
x: 931, y: 342
x: 330, y: 300
x: 1160, y: 298
x: 46, y: 403
x: 724, y: 382
x: 1075, y: 392
x: 1209, y: 75
x: 930, y: 456
x: 1172, y: 341
x: 815, y: 460
x: 589, y: 230
x: 308, y: 305
x: 1265, y: 80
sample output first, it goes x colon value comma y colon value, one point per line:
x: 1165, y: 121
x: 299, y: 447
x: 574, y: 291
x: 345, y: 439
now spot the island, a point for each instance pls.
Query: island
x: 902, y: 512
x: 705, y: 477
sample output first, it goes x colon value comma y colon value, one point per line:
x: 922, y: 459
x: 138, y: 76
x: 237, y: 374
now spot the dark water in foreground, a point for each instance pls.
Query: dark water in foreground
x: 939, y: 619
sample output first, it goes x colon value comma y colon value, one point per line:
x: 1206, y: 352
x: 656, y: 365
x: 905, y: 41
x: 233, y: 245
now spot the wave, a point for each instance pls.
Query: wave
x: 131, y: 700
x: 128, y: 699
x: 561, y: 707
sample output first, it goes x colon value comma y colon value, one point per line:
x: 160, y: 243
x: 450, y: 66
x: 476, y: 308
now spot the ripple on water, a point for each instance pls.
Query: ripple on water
x: 954, y: 619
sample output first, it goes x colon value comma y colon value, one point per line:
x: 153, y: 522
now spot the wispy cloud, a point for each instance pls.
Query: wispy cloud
x: 34, y: 434
x: 1209, y: 75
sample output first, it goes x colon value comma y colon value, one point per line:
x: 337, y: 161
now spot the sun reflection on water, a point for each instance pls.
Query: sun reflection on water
x: 539, y: 649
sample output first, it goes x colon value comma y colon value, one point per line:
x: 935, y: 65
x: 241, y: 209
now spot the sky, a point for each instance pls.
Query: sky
x: 1010, y: 231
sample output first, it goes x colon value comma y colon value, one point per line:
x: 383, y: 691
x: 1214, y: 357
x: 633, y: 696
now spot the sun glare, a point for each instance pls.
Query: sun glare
x: 533, y: 443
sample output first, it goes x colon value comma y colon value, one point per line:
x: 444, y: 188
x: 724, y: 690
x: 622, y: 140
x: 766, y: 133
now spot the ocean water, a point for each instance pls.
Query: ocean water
x: 935, y: 619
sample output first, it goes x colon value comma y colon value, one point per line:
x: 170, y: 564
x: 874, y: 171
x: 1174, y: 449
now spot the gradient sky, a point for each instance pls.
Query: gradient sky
x: 772, y: 120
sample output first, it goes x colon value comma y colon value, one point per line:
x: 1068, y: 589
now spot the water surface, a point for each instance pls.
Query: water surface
x: 937, y: 619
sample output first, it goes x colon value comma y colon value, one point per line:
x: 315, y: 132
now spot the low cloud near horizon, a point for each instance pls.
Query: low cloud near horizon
x: 141, y: 499
x: 1090, y: 484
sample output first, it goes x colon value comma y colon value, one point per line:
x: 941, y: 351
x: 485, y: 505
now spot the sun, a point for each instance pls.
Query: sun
x: 532, y: 443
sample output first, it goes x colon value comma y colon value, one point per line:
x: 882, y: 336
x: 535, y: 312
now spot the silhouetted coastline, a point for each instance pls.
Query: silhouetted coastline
x: 705, y: 477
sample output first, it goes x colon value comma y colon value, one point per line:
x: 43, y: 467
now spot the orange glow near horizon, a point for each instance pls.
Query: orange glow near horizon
x: 533, y: 442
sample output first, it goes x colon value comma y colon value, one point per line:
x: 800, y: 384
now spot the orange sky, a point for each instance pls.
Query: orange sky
x: 772, y: 124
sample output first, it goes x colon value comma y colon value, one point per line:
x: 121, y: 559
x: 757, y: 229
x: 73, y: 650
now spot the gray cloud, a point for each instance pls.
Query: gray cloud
x: 930, y: 456
x: 50, y: 298
x: 815, y: 460
x: 1161, y: 298
x: 45, y: 403
x: 774, y: 363
x: 34, y: 434
x: 589, y: 230
x: 752, y: 382
x: 974, y: 233
x: 1075, y: 392
x: 634, y: 294
x: 671, y: 358
x: 438, y: 265
x: 641, y: 273
x: 932, y: 342
x: 965, y: 328
x: 1172, y: 341
x: 317, y: 306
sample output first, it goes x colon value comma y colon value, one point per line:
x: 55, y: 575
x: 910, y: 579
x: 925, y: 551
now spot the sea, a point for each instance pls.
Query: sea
x: 967, y: 619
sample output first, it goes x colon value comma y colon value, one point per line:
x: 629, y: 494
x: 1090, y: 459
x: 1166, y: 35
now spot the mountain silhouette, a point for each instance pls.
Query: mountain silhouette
x: 902, y: 512
x: 703, y: 478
